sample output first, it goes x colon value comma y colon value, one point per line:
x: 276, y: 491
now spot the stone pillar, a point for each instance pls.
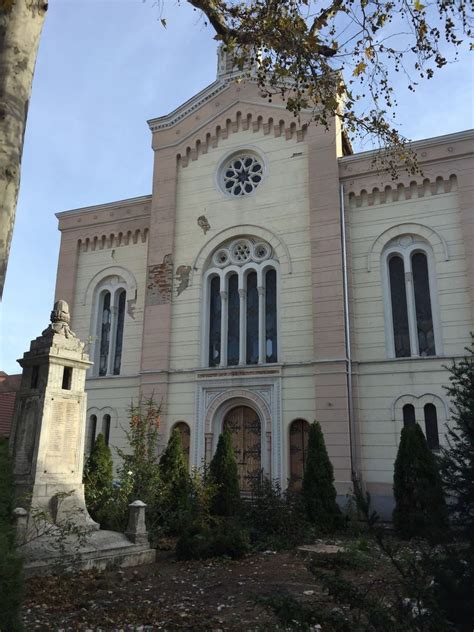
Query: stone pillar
x: 136, y: 530
x: 49, y: 424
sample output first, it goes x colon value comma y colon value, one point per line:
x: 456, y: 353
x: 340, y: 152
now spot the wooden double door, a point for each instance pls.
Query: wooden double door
x: 245, y: 428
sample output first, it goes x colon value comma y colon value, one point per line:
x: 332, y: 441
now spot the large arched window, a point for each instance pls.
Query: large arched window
x: 110, y: 320
x: 412, y: 325
x: 241, y: 305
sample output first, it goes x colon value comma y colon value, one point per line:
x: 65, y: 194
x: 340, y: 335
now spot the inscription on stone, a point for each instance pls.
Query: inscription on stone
x: 64, y: 431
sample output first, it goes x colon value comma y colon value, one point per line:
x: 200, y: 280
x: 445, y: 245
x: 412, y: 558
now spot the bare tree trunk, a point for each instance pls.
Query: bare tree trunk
x: 21, y: 22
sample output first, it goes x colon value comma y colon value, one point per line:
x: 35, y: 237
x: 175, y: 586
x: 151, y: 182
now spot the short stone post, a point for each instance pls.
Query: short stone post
x: 136, y: 529
x: 21, y: 520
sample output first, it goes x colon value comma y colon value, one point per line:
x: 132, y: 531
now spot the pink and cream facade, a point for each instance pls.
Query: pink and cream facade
x: 273, y: 278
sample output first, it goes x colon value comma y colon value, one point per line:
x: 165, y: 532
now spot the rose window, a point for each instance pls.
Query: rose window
x: 240, y: 251
x: 242, y: 175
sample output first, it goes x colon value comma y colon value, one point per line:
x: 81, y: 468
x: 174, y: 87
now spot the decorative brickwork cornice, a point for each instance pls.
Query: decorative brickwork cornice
x: 237, y: 122
x: 402, y: 191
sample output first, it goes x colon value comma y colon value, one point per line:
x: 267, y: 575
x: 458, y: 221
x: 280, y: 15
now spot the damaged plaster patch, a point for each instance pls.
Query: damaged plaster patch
x: 159, y: 282
x: 182, y: 276
x: 203, y: 223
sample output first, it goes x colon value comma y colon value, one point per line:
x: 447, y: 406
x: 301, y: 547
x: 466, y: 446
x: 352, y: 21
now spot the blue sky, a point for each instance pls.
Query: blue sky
x: 103, y: 69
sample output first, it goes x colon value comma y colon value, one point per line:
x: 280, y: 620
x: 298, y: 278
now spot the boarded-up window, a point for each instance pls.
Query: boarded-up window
x: 185, y: 434
x: 299, y: 431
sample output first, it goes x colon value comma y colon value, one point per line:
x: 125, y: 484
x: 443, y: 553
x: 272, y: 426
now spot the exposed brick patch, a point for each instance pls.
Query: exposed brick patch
x: 160, y: 282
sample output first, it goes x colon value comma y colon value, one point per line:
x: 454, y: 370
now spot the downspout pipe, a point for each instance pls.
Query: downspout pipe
x: 347, y: 338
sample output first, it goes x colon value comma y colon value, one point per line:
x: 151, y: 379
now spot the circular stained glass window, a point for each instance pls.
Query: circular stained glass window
x: 242, y: 175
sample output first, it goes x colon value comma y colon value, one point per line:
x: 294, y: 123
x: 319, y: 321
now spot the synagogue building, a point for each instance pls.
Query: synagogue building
x: 271, y: 278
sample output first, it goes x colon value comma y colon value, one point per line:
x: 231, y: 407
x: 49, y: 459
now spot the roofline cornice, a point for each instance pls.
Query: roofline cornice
x: 415, y: 145
x: 100, y: 207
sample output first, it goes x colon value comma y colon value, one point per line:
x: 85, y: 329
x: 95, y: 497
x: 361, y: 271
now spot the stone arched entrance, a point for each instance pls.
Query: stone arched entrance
x: 246, y: 430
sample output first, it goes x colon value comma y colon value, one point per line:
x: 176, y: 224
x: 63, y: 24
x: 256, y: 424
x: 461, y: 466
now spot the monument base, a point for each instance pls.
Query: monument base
x: 102, y: 550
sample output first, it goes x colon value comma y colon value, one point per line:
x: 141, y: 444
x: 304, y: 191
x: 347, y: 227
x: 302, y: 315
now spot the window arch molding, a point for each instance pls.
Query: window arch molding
x: 281, y: 250
x: 405, y: 246
x: 419, y: 402
x: 266, y: 349
x: 112, y: 271
x: 435, y: 239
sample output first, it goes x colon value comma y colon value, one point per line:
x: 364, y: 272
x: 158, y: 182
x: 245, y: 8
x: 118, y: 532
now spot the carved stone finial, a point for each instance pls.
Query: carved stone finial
x: 60, y: 313
x: 60, y: 319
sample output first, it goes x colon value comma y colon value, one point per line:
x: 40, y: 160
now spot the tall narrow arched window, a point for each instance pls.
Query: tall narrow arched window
x: 233, y: 327
x: 252, y: 318
x: 424, y: 317
x: 240, y: 314
x: 111, y: 312
x: 409, y: 418
x: 106, y: 428
x: 412, y: 324
x: 271, y: 336
x: 185, y: 434
x: 401, y: 335
x: 431, y: 426
x: 119, y: 331
x: 299, y: 433
x: 91, y: 431
x: 105, y: 325
x: 215, y: 323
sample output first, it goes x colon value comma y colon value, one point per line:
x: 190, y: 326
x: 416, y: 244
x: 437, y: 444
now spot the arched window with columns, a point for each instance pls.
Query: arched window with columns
x: 241, y: 304
x: 108, y: 325
x: 412, y: 322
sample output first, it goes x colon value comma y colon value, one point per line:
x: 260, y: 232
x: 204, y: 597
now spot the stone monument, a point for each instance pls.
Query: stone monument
x: 47, y: 444
x: 48, y: 423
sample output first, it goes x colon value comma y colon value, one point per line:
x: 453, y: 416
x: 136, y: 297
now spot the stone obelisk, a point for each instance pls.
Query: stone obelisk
x: 49, y: 424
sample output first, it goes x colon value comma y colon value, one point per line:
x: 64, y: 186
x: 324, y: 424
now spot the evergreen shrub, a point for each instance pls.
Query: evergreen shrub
x: 11, y: 584
x: 420, y: 508
x: 223, y: 537
x: 176, y: 486
x: 98, y: 479
x: 457, y: 461
x: 318, y: 491
x: 223, y: 474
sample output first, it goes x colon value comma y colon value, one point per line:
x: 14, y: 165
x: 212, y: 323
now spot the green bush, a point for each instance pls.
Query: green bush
x: 11, y: 584
x: 139, y: 472
x: 223, y: 473
x: 223, y: 538
x: 420, y: 508
x: 457, y: 462
x: 98, y: 479
x: 175, y: 503
x: 274, y: 517
x: 319, y: 493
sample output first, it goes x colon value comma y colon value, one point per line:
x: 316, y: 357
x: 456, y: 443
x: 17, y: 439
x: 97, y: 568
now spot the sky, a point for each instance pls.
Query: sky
x: 103, y: 69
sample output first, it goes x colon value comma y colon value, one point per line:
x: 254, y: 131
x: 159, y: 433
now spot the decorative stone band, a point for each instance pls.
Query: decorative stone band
x: 402, y: 192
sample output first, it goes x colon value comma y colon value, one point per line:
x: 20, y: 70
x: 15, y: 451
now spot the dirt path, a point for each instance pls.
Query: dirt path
x: 168, y: 595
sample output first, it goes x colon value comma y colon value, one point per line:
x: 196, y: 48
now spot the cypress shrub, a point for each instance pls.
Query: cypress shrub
x: 318, y: 491
x: 173, y: 468
x: 11, y: 584
x: 98, y: 478
x: 420, y: 508
x: 223, y: 473
x: 175, y: 502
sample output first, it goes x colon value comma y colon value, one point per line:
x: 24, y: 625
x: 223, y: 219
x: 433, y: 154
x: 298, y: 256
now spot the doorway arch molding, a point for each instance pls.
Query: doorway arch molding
x: 234, y: 398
